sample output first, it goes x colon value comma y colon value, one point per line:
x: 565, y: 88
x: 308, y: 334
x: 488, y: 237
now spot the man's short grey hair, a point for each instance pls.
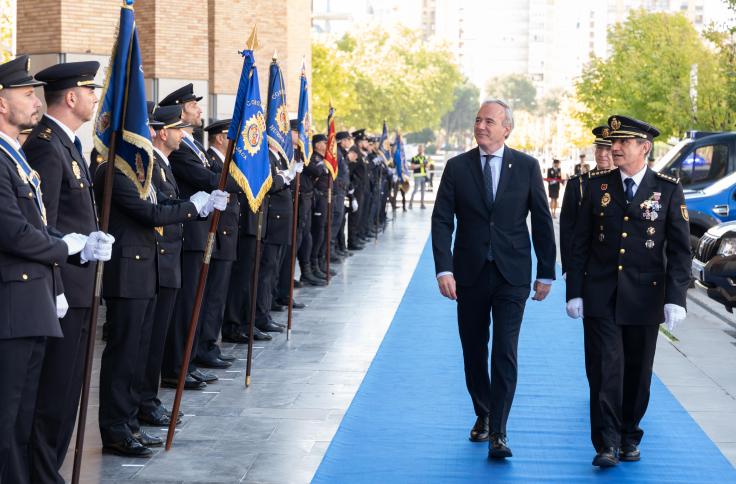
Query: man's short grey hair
x: 509, y: 115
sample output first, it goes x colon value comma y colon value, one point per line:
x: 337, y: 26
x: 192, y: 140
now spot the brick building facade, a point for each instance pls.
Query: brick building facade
x: 181, y: 41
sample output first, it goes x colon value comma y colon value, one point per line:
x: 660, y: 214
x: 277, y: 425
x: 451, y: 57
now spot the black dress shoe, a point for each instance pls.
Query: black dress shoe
x: 148, y: 440
x: 629, y: 453
x: 259, y: 335
x: 270, y: 327
x: 311, y: 280
x: 130, y: 447
x: 189, y: 383
x: 168, y: 412
x: 203, y: 376
x: 295, y: 304
x: 498, y: 448
x: 235, y: 337
x: 277, y: 307
x: 480, y: 432
x: 225, y: 357
x: 297, y: 284
x: 607, y: 457
x: 161, y: 420
x: 355, y: 247
x: 213, y: 362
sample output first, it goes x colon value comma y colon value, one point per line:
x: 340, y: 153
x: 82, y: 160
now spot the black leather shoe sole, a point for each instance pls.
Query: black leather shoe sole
x: 499, y: 453
x: 605, y: 460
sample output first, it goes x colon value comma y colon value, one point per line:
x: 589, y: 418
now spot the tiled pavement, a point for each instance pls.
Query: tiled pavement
x: 278, y: 429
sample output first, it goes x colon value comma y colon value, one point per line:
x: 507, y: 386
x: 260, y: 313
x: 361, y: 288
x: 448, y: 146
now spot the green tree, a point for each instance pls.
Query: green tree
x: 515, y: 89
x: 458, y: 123
x: 376, y: 75
x: 648, y: 76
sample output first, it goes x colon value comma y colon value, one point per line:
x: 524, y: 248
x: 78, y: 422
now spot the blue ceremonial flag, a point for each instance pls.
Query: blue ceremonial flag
x: 304, y: 117
x: 399, y: 156
x: 277, y: 116
x: 250, y: 166
x: 123, y: 107
x: 384, y: 147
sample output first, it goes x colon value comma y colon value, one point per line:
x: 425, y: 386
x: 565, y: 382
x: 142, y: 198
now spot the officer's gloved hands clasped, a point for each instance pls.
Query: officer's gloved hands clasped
x: 74, y: 242
x: 199, y: 200
x: 218, y: 200
x: 62, y: 306
x: 286, y: 175
x: 298, y: 167
x: 97, y: 247
x: 673, y: 315
x: 354, y: 205
x: 575, y: 308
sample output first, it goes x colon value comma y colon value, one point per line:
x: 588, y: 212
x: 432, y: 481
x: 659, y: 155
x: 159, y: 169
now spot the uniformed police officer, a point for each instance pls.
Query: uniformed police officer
x: 629, y: 269
x: 194, y: 173
x: 340, y: 190
x: 576, y: 186
x: 55, y: 152
x: 31, y: 290
x: 319, y: 213
x: 130, y: 285
x: 360, y: 182
x: 168, y: 133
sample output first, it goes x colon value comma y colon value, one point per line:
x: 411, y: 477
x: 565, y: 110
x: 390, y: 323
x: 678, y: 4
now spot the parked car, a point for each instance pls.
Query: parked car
x: 705, y: 163
x: 714, y: 264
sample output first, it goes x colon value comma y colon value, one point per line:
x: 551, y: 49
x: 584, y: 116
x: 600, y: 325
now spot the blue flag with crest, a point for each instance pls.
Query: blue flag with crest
x: 123, y: 107
x: 304, y: 117
x: 277, y: 116
x: 250, y: 166
x: 399, y: 156
x: 384, y: 148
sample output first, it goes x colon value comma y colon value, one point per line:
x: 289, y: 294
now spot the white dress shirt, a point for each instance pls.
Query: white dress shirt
x: 63, y: 127
x: 218, y: 153
x: 637, y: 177
x: 162, y: 155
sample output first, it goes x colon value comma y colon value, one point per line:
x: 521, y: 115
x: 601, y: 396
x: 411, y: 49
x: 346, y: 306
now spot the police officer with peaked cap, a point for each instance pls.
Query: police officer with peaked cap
x: 359, y: 180
x: 31, y: 289
x: 55, y: 152
x: 629, y: 272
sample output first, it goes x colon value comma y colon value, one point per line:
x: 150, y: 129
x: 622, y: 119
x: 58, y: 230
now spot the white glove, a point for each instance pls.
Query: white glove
x: 62, y: 306
x: 219, y: 199
x: 354, y: 205
x: 286, y: 175
x: 673, y: 315
x: 575, y: 308
x: 199, y: 200
x: 98, y: 247
x: 351, y: 191
x: 298, y: 167
x: 74, y: 242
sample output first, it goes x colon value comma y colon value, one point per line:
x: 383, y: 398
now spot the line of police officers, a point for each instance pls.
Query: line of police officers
x: 51, y: 241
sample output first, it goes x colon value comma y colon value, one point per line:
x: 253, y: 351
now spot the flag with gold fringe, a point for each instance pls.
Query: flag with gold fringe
x: 331, y: 152
x: 304, y: 117
x: 277, y: 116
x: 250, y: 166
x: 123, y: 107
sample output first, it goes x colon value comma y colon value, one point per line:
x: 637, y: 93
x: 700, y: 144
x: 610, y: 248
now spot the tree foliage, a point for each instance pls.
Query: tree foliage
x: 648, y: 76
x: 458, y: 122
x: 377, y: 75
x: 515, y: 89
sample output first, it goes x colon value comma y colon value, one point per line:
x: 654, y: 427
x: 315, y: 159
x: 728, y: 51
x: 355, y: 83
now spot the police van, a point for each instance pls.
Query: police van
x: 705, y: 163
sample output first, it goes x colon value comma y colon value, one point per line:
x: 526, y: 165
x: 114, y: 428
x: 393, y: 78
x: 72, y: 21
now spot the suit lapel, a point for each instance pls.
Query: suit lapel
x: 507, y: 162
x: 69, y: 145
x: 473, y: 158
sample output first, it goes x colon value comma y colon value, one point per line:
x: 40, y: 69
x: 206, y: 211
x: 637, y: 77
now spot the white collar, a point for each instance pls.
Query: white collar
x: 162, y: 155
x: 218, y: 153
x: 498, y: 152
x: 13, y: 142
x: 638, y: 177
x: 63, y: 127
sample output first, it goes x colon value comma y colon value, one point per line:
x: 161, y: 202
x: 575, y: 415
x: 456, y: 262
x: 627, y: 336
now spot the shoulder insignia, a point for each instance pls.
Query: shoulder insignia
x: 670, y: 179
x: 598, y: 173
x: 574, y: 177
x: 45, y: 134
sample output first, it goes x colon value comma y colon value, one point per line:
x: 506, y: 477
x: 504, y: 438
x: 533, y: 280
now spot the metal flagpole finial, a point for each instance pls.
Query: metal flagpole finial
x: 252, y: 43
x: 275, y: 56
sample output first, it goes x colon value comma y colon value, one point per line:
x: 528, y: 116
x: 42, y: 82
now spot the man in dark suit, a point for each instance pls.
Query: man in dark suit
x: 629, y: 269
x: 55, y: 152
x: 491, y: 190
x: 31, y: 291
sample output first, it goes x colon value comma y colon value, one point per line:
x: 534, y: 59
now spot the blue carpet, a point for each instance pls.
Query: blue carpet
x: 410, y: 419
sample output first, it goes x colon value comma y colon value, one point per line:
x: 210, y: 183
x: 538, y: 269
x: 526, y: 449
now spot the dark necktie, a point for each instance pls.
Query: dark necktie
x: 78, y: 145
x: 488, y: 177
x: 629, y: 182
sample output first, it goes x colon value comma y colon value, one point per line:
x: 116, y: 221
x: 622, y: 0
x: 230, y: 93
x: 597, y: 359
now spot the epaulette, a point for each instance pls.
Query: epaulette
x: 45, y: 134
x: 670, y: 179
x: 597, y: 173
x: 573, y: 177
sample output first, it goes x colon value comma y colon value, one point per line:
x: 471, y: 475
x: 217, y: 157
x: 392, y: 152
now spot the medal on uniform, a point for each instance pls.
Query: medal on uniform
x: 163, y: 175
x: 649, y: 244
x: 605, y: 199
x: 650, y: 231
x: 650, y: 207
x: 601, y: 237
x: 75, y: 169
x: 604, y: 186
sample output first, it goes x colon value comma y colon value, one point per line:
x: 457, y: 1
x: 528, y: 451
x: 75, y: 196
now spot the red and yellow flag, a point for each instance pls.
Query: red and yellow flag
x: 331, y: 152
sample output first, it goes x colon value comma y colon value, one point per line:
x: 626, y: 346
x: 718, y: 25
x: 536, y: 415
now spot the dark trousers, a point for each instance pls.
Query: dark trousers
x: 213, y: 308
x: 319, y: 225
x: 341, y: 238
x: 283, y: 285
x: 366, y: 213
x: 237, y: 303
x: 267, y: 279
x: 165, y: 301
x: 123, y: 365
x: 304, y: 252
x: 627, y: 357
x: 338, y: 217
x: 491, y: 295
x: 21, y: 360
x: 176, y: 338
x: 354, y: 219
x: 592, y: 345
x: 58, y: 396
